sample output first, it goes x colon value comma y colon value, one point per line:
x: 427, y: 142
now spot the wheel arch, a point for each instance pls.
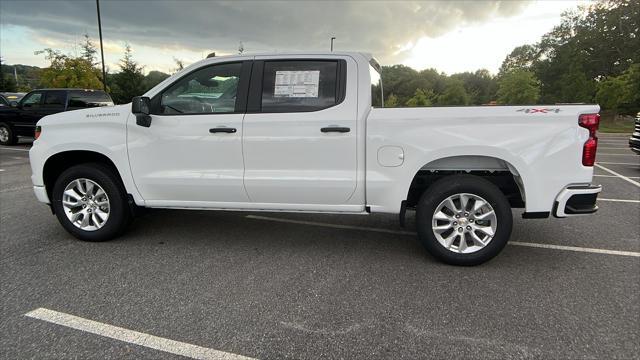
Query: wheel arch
x: 497, y: 170
x: 57, y: 163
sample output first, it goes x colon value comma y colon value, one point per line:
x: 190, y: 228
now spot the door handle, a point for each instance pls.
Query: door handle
x: 340, y: 129
x: 227, y: 130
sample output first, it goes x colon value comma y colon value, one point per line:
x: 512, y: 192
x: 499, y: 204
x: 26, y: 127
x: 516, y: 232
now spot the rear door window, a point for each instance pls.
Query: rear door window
x: 299, y: 85
x: 54, y: 100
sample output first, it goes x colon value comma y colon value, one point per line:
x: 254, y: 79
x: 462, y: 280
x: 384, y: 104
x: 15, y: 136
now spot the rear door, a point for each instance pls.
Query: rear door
x: 299, y: 140
x: 54, y: 102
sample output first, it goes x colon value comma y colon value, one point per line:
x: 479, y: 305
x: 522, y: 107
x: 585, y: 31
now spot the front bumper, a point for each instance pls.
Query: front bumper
x: 41, y: 194
x: 576, y: 200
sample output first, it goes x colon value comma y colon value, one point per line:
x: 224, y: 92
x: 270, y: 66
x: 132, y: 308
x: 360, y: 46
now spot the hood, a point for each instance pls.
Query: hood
x: 117, y: 113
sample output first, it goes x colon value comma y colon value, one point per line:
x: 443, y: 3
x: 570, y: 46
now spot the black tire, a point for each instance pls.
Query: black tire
x: 457, y: 184
x: 119, y: 214
x: 12, y: 139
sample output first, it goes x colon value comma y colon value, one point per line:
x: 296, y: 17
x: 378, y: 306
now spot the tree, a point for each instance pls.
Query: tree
x: 518, y: 87
x: 421, y: 98
x: 480, y: 85
x: 65, y: 71
x: 154, y: 78
x: 391, y: 101
x: 179, y: 65
x: 621, y: 93
x: 521, y: 58
x: 89, y: 50
x: 454, y: 94
x: 129, y: 82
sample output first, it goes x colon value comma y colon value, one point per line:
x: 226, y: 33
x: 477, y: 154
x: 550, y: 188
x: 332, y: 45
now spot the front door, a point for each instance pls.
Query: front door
x: 300, y: 131
x: 29, y: 112
x: 191, y: 154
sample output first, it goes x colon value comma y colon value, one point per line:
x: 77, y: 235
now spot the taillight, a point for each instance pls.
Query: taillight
x: 38, y: 132
x: 589, y: 122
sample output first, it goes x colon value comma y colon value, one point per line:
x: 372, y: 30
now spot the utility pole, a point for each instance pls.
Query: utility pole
x: 104, y: 72
x: 332, y: 38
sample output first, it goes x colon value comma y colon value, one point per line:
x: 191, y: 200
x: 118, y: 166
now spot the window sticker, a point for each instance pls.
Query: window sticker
x: 297, y: 84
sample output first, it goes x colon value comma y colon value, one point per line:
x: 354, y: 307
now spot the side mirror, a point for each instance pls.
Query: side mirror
x: 13, y: 104
x: 140, y: 108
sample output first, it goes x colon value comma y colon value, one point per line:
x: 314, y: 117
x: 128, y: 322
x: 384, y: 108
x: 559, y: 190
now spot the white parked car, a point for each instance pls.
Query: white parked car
x: 307, y: 133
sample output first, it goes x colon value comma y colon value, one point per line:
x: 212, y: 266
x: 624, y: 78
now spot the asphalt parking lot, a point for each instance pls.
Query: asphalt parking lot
x: 273, y: 286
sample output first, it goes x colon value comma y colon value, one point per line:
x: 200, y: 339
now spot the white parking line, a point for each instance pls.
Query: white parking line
x: 617, y: 154
x: 618, y: 175
x: 616, y: 163
x: 132, y: 337
x: 401, y: 232
x: 614, y: 176
x: 620, y: 200
x: 12, y: 149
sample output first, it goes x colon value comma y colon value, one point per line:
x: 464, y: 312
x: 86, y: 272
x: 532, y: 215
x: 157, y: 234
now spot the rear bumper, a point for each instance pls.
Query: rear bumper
x: 576, y: 200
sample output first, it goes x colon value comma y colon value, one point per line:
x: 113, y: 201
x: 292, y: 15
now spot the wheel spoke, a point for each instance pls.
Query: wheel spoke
x: 486, y: 229
x: 79, y: 188
x: 463, y: 243
x: 74, y: 217
x: 88, y: 185
x: 450, y: 205
x: 85, y: 220
x: 72, y: 194
x: 103, y: 215
x: 464, y: 201
x: 441, y: 228
x: 476, y: 239
x: 485, y: 215
x: 442, y: 216
x: 448, y: 241
x: 478, y: 204
x: 96, y: 220
x: 70, y: 204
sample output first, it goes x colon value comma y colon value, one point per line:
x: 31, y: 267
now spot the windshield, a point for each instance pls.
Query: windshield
x: 377, y: 98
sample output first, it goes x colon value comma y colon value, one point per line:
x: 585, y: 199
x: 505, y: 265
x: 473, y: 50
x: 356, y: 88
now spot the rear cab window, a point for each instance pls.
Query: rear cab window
x: 80, y: 99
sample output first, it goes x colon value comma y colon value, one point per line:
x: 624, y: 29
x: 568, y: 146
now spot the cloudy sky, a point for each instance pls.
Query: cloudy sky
x: 451, y: 36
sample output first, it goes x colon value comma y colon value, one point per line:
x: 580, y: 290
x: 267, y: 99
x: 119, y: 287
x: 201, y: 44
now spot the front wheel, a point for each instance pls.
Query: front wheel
x: 463, y: 220
x: 90, y: 202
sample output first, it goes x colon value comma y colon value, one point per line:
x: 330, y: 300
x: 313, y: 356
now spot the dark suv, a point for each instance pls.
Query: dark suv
x: 634, y: 140
x: 21, y: 119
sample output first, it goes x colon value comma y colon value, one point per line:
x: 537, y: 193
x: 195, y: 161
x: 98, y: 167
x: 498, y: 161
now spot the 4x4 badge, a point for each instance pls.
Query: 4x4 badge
x: 539, y: 110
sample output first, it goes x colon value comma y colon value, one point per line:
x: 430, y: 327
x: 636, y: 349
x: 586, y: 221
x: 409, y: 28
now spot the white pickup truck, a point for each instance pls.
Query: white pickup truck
x: 308, y: 133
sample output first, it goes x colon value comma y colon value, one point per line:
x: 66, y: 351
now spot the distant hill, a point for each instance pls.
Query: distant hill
x: 28, y: 76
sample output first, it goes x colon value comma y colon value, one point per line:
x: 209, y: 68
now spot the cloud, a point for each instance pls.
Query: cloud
x: 383, y: 28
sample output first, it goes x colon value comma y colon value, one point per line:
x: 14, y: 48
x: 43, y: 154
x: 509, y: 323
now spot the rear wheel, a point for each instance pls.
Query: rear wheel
x: 90, y: 202
x: 463, y: 220
x: 7, y: 136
